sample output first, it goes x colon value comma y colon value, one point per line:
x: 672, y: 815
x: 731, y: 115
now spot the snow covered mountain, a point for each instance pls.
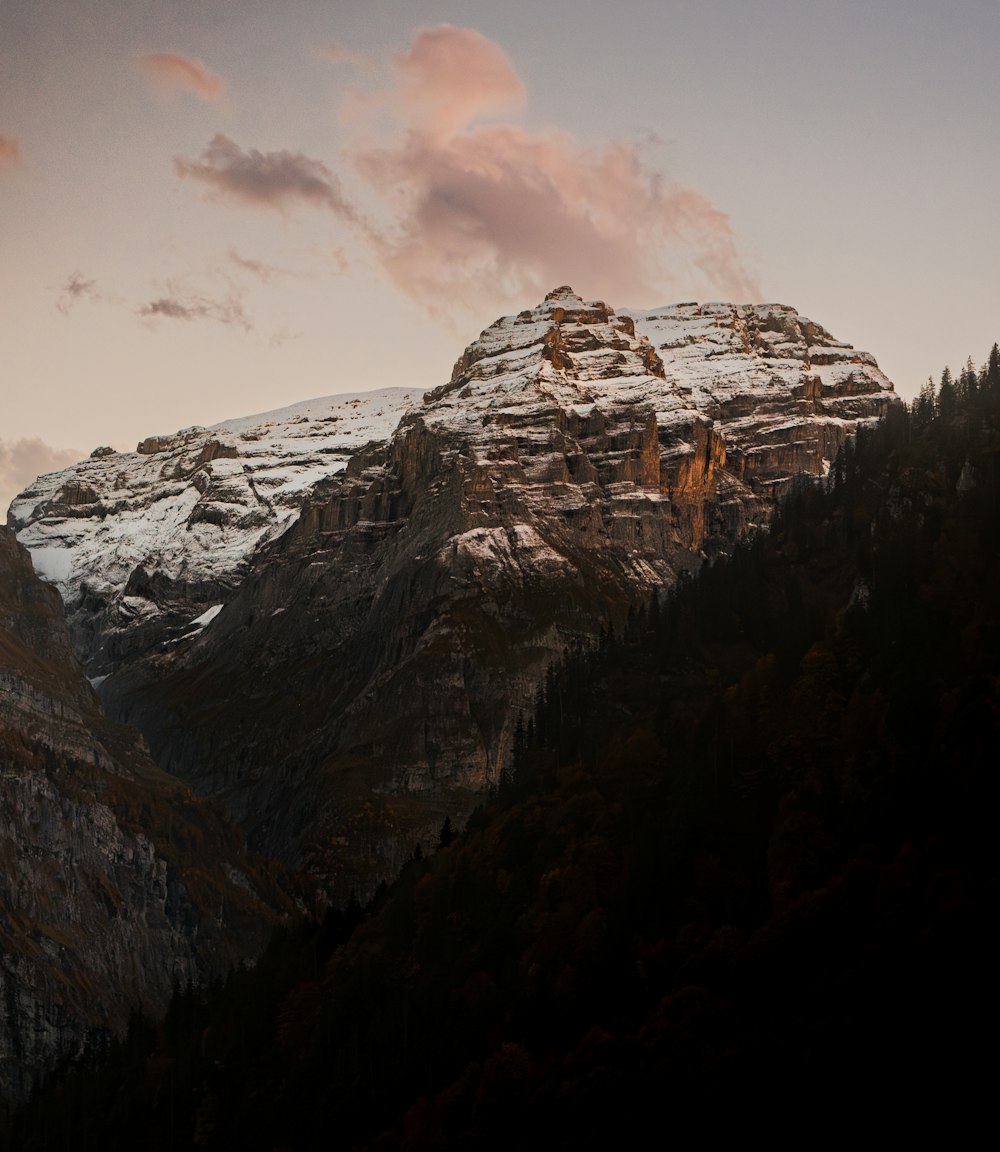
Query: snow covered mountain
x: 336, y: 644
x: 190, y: 508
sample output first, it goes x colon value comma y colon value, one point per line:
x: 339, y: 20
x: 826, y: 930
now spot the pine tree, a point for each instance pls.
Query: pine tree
x: 947, y: 399
x: 923, y: 409
x: 446, y: 835
x: 991, y: 377
x: 968, y: 383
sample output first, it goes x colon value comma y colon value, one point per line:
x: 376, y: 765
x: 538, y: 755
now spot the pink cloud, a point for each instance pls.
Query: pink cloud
x: 265, y: 179
x: 452, y: 76
x: 10, y: 152
x: 484, y: 211
x: 169, y: 72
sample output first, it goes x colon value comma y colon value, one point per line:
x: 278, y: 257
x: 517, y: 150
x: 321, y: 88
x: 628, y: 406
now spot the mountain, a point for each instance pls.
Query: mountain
x: 746, y: 866
x: 353, y: 672
x: 116, y: 882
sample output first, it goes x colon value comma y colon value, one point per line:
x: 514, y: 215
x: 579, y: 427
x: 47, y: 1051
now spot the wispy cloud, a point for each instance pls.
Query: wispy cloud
x: 21, y: 461
x: 265, y: 179
x: 10, y: 152
x: 176, y: 304
x: 174, y: 299
x: 487, y: 208
x: 175, y: 309
x: 264, y: 272
x: 168, y: 73
x: 77, y: 287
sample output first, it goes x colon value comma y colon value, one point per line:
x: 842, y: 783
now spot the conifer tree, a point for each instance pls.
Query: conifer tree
x: 447, y: 833
x: 947, y: 398
x: 991, y: 382
x: 923, y: 409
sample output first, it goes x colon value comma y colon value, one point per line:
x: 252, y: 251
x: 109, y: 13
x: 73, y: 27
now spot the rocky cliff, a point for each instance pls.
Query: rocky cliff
x: 115, y: 881
x: 358, y: 675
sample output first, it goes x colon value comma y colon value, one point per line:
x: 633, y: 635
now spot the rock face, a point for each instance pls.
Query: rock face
x: 115, y: 881
x: 364, y: 675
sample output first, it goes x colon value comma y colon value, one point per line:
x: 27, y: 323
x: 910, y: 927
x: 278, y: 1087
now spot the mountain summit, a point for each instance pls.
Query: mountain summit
x: 339, y: 653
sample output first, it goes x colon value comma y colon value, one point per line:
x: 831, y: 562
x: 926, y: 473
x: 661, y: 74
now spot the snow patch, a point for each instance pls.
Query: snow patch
x: 206, y: 617
x: 53, y: 564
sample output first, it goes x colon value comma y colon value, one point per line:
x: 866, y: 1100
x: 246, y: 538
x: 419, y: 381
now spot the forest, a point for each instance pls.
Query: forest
x: 745, y: 854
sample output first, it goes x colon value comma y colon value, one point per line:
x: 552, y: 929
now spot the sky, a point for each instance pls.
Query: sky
x: 210, y: 208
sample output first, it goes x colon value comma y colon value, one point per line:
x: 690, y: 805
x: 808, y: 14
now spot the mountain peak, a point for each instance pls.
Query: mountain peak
x: 564, y: 294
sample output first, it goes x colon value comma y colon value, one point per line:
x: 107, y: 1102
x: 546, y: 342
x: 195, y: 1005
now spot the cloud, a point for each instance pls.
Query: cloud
x: 169, y: 73
x: 175, y: 309
x: 77, y: 287
x: 21, y: 461
x: 265, y: 179
x: 484, y: 210
x: 451, y: 76
x: 174, y: 302
x: 10, y: 153
x: 478, y: 211
x: 175, y: 305
x: 264, y: 272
